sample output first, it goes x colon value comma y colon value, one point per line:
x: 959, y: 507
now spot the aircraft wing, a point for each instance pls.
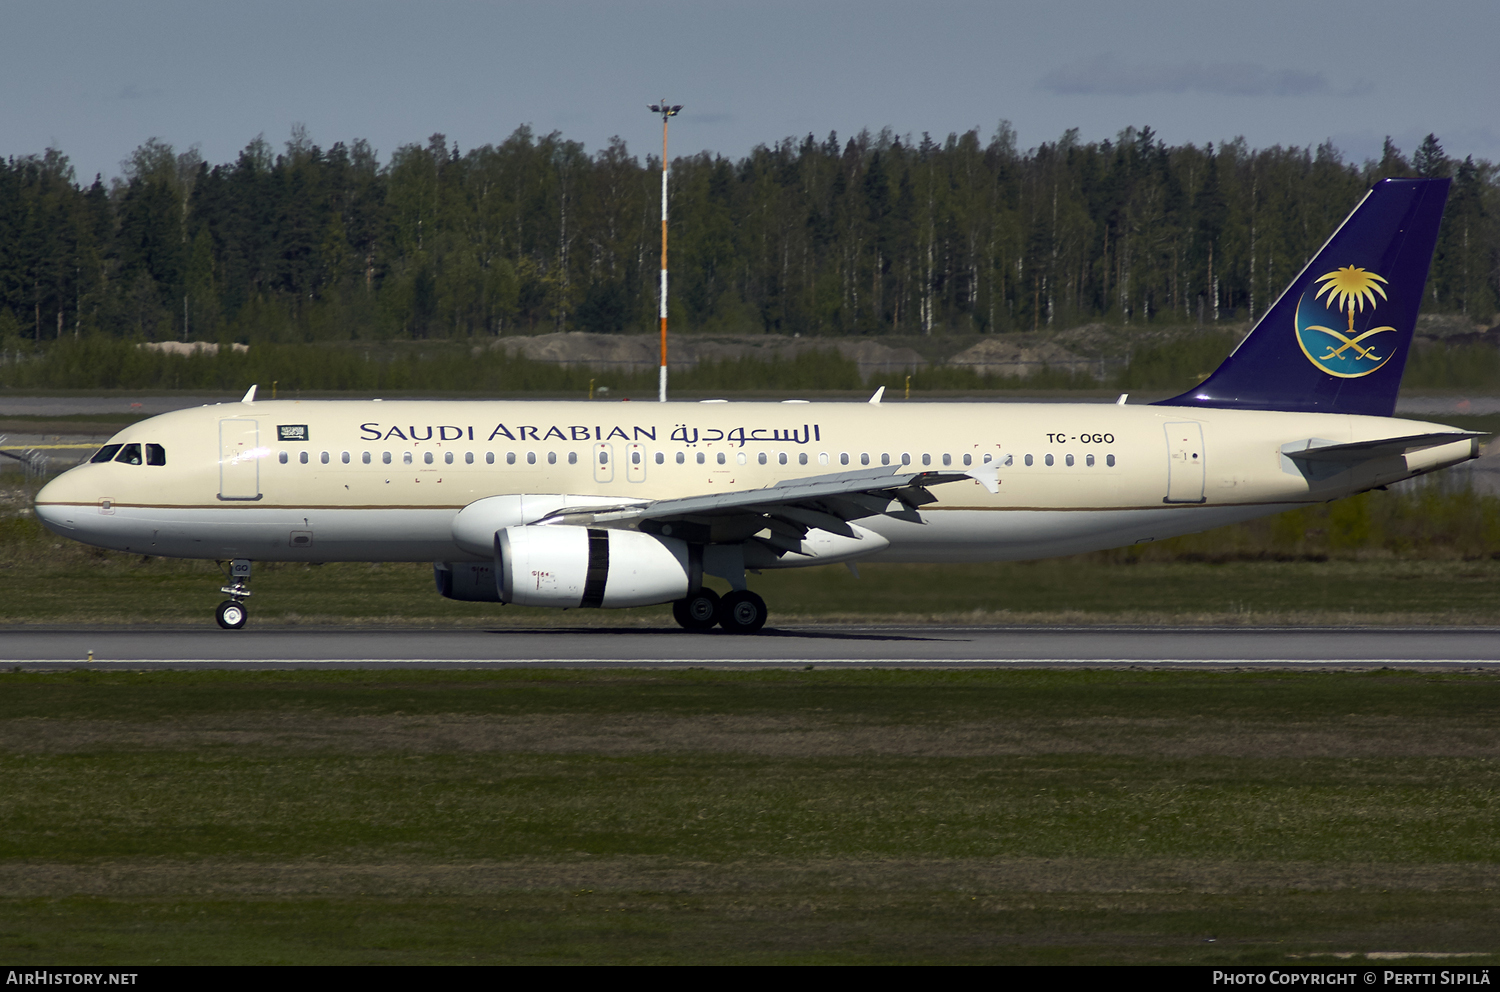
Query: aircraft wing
x: 788, y: 509
x: 1362, y: 451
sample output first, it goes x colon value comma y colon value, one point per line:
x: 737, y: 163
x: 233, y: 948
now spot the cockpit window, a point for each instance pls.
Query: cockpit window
x: 156, y: 454
x: 130, y: 454
x: 106, y: 453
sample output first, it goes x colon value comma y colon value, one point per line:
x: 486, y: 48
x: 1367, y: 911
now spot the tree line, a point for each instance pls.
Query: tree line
x: 868, y: 235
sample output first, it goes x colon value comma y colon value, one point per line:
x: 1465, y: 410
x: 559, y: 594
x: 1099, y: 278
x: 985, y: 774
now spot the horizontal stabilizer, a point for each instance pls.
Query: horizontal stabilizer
x: 1363, y: 451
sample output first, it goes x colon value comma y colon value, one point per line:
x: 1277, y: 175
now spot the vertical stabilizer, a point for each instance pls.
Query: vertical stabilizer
x: 1337, y: 339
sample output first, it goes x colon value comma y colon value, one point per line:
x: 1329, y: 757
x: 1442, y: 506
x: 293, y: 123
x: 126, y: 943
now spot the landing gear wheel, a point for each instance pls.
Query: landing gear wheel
x: 742, y: 612
x: 231, y: 615
x: 699, y: 611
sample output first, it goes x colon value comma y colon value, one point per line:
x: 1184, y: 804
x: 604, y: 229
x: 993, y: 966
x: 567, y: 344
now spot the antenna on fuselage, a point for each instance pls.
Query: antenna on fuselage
x: 875, y: 400
x: 249, y: 395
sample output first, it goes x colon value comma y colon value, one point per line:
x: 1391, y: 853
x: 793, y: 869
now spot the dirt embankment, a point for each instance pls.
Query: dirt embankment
x: 1084, y: 348
x: 639, y: 352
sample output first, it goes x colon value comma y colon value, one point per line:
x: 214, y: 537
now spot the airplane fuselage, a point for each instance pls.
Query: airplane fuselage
x: 385, y: 481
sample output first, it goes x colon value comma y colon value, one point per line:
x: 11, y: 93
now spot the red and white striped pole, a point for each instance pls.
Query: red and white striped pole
x: 666, y: 111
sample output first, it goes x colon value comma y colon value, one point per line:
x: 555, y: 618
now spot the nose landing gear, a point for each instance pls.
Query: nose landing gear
x: 231, y: 614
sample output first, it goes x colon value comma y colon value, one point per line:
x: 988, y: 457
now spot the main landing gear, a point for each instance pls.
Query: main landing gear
x: 739, y: 612
x: 700, y: 611
x: 231, y: 613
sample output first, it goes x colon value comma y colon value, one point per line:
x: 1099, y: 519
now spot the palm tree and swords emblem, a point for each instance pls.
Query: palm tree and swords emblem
x: 1349, y: 291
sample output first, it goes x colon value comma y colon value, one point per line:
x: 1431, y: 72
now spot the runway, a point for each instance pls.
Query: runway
x: 822, y: 646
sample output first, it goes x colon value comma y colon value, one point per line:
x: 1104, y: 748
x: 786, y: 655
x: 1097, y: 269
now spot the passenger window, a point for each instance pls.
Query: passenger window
x: 531, y: 458
x: 926, y: 459
x: 681, y: 457
x: 1049, y: 461
x: 344, y: 458
x: 988, y: 459
x: 406, y: 458
x: 762, y: 458
x: 156, y: 454
x: 947, y: 460
x: 447, y: 458
x: 551, y: 458
x: 427, y: 458
x: 701, y: 458
x: 385, y: 458
x: 864, y: 458
x: 572, y: 458
x: 1088, y: 460
x: 1010, y: 459
x: 843, y: 458
x: 323, y: 458
x: 635, y: 458
x: 885, y: 459
x: 489, y: 458
x: 660, y: 458
x: 1068, y: 460
x: 510, y: 458
x: 468, y: 458
x: 740, y: 458
x: 781, y: 459
x: 968, y: 460
x: 282, y: 458
x: 905, y: 458
x: 364, y: 457
x: 822, y: 458
x: 603, y: 457
x: 130, y: 454
x: 721, y: 458
x: 1028, y: 461
x: 106, y: 453
x: 1109, y: 461
x: 802, y: 458
x: 303, y: 457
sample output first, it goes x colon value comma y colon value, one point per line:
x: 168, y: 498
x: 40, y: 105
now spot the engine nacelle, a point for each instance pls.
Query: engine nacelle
x: 467, y: 581
x: 561, y: 565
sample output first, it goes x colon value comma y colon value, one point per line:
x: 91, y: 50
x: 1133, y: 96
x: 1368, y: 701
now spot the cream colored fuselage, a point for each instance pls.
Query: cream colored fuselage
x: 383, y: 481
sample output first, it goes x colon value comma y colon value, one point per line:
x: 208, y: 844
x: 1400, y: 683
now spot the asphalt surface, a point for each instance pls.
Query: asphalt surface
x: 834, y: 646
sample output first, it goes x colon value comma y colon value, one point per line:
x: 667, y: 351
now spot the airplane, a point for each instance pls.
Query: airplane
x: 605, y: 505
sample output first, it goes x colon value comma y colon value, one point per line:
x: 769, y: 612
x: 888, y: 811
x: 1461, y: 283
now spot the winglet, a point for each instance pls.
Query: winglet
x: 249, y: 395
x: 875, y: 400
x: 987, y: 476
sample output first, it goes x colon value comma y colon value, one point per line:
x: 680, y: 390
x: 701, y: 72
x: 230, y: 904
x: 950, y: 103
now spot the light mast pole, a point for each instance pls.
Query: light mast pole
x: 666, y: 110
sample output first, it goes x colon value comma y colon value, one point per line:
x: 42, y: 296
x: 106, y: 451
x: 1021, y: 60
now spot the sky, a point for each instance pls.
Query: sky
x: 96, y: 79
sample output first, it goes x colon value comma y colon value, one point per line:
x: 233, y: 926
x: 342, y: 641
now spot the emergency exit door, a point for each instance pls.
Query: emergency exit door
x: 604, y: 463
x: 239, y: 459
x: 1185, y: 459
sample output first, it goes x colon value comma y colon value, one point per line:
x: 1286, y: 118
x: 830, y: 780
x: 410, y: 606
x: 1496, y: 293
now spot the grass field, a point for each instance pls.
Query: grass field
x: 692, y: 816
x: 125, y: 590
x: 1374, y: 560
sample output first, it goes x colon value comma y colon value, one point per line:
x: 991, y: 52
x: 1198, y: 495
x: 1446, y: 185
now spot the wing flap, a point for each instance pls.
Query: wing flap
x: 811, y: 502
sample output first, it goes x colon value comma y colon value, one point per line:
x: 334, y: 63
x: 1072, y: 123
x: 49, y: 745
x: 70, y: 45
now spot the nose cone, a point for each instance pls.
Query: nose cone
x: 53, y: 507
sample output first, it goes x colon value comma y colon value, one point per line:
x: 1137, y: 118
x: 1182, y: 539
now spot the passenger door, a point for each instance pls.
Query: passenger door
x: 1185, y: 457
x: 239, y: 459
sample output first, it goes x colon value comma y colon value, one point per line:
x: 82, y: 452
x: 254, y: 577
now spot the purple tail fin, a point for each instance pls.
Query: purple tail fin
x: 1337, y: 339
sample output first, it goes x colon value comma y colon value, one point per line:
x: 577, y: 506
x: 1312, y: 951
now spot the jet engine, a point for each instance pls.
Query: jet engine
x: 562, y: 565
x: 467, y: 581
